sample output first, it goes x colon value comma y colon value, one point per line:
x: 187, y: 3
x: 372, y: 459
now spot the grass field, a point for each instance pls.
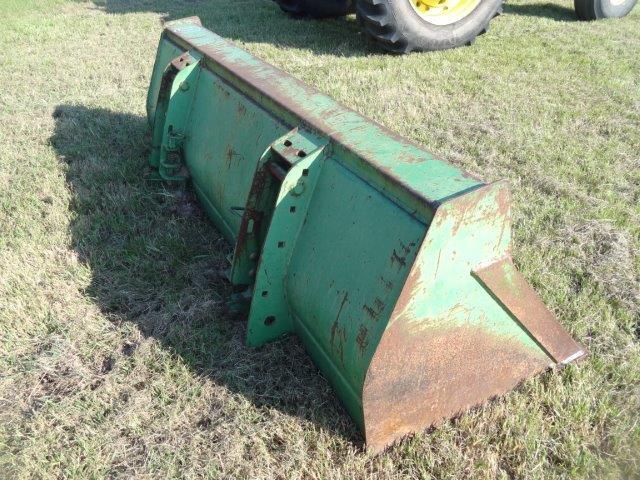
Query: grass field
x: 116, y: 359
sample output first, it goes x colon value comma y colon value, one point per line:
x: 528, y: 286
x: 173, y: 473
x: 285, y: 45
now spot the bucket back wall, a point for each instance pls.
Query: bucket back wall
x: 393, y: 267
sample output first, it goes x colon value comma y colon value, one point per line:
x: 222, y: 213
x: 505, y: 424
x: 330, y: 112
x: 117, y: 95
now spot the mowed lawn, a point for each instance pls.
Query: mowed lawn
x: 117, y: 358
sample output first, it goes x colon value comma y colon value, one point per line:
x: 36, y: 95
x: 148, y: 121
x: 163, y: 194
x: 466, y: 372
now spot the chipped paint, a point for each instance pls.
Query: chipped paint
x: 391, y: 266
x: 416, y: 381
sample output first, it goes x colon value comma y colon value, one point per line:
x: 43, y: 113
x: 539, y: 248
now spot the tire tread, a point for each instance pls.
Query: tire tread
x: 379, y: 24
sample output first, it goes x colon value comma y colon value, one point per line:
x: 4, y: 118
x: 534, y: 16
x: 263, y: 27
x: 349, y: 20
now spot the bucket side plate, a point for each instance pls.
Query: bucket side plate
x: 450, y: 344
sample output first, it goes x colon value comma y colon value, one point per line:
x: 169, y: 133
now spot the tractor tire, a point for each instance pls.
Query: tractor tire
x: 598, y: 9
x: 317, y: 8
x: 401, y: 27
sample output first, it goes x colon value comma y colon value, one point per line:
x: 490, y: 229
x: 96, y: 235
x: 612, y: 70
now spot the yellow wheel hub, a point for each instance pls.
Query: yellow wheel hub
x: 443, y: 12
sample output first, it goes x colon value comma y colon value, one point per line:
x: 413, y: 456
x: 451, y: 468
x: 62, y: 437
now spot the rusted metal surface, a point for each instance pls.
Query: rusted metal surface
x: 509, y: 287
x: 446, y: 347
x: 302, y: 105
x: 419, y: 378
x: 181, y: 62
x: 391, y: 266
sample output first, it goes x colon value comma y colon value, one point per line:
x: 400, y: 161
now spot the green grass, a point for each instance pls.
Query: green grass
x: 116, y: 356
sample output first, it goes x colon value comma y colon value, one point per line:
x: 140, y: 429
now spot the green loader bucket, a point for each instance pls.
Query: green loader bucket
x: 391, y: 266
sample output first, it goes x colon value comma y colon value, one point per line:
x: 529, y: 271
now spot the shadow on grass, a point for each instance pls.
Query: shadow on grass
x: 548, y: 10
x: 258, y: 21
x: 155, y: 262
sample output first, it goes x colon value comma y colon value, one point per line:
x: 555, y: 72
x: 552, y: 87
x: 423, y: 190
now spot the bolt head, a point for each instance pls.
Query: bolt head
x: 298, y: 189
